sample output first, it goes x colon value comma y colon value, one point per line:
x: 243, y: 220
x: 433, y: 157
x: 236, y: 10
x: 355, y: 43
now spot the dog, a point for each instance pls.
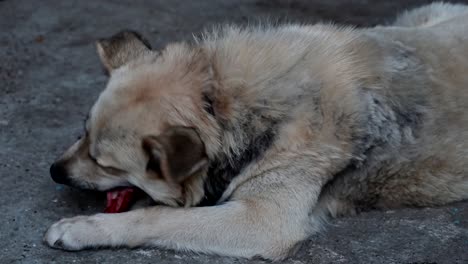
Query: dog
x: 250, y: 138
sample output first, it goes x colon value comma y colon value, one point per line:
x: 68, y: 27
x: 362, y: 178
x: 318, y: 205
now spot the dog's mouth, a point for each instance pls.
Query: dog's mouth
x: 120, y: 199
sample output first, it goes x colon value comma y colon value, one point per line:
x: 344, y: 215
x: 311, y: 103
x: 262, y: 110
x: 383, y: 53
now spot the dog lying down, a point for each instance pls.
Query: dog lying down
x: 251, y: 138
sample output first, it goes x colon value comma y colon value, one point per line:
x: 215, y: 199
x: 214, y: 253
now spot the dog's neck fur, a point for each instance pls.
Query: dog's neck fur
x: 251, y: 73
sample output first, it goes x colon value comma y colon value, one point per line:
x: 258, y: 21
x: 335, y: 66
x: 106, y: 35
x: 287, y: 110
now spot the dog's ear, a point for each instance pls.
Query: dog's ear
x: 176, y: 154
x: 120, y: 48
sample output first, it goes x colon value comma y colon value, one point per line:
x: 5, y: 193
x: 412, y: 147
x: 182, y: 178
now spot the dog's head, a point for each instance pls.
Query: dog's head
x: 150, y: 127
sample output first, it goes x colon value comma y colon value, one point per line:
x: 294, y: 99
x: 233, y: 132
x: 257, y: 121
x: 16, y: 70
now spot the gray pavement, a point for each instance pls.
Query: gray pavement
x: 50, y: 75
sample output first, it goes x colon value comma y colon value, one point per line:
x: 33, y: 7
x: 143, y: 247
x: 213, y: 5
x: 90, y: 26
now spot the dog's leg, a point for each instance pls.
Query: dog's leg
x: 240, y: 228
x: 267, y: 223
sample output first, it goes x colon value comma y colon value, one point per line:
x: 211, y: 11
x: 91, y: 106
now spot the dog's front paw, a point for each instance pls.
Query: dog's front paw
x: 75, y: 233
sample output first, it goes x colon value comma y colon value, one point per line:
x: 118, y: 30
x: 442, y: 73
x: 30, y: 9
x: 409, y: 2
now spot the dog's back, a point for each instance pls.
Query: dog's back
x: 428, y: 165
x: 430, y: 15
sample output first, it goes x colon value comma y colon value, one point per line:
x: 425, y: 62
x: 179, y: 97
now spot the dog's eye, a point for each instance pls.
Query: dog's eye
x: 108, y: 169
x: 111, y: 170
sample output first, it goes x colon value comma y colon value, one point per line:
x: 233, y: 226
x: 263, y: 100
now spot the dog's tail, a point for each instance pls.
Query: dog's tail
x: 430, y: 15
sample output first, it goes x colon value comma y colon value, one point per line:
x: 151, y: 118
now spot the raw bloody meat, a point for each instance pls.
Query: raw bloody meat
x: 119, y: 200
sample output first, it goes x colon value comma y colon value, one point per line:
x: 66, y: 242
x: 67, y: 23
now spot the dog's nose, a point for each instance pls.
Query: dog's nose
x: 59, y: 173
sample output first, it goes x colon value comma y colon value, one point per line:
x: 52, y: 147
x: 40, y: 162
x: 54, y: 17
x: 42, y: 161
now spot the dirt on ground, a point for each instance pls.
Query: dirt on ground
x: 50, y: 75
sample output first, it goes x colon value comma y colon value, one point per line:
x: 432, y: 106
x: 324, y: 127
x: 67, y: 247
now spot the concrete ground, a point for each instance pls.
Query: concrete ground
x: 50, y: 75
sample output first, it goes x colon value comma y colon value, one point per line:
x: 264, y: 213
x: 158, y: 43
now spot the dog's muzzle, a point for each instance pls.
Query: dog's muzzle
x: 59, y: 173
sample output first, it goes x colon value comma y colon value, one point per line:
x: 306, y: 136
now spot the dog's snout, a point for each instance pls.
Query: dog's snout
x: 59, y: 173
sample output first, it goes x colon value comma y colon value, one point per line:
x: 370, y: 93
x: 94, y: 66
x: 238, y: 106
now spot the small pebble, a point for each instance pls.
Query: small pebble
x: 39, y: 39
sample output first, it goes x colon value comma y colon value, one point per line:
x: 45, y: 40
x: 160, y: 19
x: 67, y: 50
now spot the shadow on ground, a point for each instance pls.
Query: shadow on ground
x: 50, y: 76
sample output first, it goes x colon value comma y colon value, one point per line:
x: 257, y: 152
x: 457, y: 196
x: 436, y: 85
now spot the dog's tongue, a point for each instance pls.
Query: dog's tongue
x: 119, y: 200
